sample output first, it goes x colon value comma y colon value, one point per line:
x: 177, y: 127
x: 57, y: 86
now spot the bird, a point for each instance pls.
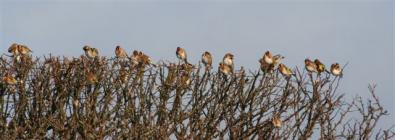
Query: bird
x: 276, y: 121
x: 23, y: 49
x: 120, y: 52
x: 265, y: 67
x: 268, y: 57
x: 139, y: 58
x: 228, y: 59
x: 310, y: 66
x: 181, y: 54
x: 91, y: 77
x: 135, y: 58
x: 225, y: 69
x: 320, y: 66
x: 10, y: 80
x: 185, y: 80
x: 336, y: 70
x: 207, y: 59
x: 277, y: 59
x: 90, y: 52
x: 284, y: 70
x: 13, y: 49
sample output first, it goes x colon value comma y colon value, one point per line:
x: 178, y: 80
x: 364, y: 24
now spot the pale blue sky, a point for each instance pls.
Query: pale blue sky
x: 358, y: 32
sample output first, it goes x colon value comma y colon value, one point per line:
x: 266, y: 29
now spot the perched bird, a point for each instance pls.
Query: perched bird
x: 90, y: 52
x: 181, y: 54
x: 185, y: 80
x: 225, y: 69
x: 268, y: 57
x: 9, y: 79
x: 310, y: 66
x: 207, y: 59
x: 23, y: 49
x: 320, y: 66
x: 14, y: 49
x: 145, y: 59
x: 135, y: 59
x: 265, y: 67
x: 284, y: 70
x: 277, y: 59
x: 228, y: 59
x: 276, y: 121
x: 336, y: 70
x: 91, y: 77
x: 120, y: 52
x: 139, y: 58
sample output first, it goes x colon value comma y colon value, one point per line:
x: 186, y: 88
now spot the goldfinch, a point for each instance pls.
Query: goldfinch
x: 310, y: 66
x: 23, y: 49
x: 181, y: 54
x: 91, y: 77
x: 120, y: 52
x: 207, y: 59
x: 228, y: 59
x: 336, y: 70
x: 320, y: 66
x: 268, y: 57
x: 225, y: 69
x: 90, y: 52
x: 276, y: 121
x: 284, y: 70
x: 10, y: 80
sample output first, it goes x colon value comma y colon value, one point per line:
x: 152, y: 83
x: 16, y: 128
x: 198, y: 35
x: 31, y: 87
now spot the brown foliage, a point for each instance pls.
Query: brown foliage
x: 98, y: 98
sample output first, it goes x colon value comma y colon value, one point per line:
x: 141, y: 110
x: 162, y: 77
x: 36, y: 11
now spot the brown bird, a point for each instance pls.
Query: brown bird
x: 135, y: 59
x: 276, y: 121
x: 139, y: 58
x: 207, y: 59
x: 91, y: 77
x: 268, y: 57
x: 310, y: 65
x: 265, y: 67
x: 284, y: 70
x: 225, y: 69
x: 120, y: 52
x: 320, y: 66
x: 228, y: 60
x: 9, y: 79
x: 90, y: 52
x: 277, y: 59
x: 181, y: 54
x: 336, y: 70
x: 23, y: 49
x: 14, y: 49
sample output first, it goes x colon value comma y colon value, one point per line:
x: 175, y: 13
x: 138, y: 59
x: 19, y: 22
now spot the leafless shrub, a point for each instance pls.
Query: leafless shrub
x: 82, y: 98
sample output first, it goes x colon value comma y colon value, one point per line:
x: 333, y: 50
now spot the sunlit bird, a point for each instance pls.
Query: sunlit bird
x: 320, y: 67
x: 23, y: 49
x: 225, y: 69
x: 284, y: 70
x: 310, y: 65
x: 207, y: 59
x: 92, y: 78
x: 336, y: 70
x: 13, y: 49
x: 181, y: 54
x: 90, y: 52
x: 9, y: 79
x: 120, y: 52
x: 277, y: 59
x: 265, y: 67
x: 276, y: 121
x: 228, y: 59
x: 268, y: 57
x: 139, y: 58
